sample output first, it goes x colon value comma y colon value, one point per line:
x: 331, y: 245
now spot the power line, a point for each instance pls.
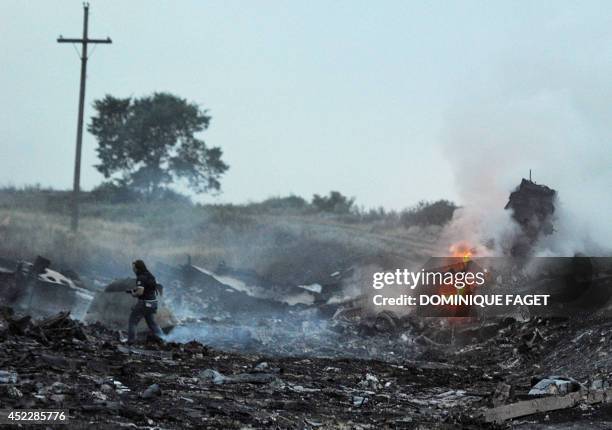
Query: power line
x: 84, y: 41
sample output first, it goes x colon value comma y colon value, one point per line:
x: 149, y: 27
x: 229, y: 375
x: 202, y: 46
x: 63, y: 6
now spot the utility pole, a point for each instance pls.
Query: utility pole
x: 79, y: 139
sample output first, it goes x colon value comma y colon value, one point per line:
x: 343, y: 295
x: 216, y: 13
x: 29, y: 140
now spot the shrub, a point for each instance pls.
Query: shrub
x: 114, y: 193
x: 334, y: 203
x: 110, y: 192
x: 282, y: 204
x: 428, y: 213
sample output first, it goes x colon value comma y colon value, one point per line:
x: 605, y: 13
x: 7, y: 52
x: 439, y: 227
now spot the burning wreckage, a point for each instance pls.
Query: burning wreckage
x: 533, y: 208
x: 243, y: 351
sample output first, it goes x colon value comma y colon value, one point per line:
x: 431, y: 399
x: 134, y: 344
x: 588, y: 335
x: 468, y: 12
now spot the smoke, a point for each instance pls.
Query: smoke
x: 291, y: 334
x: 484, y: 233
x: 576, y: 231
x: 550, y: 117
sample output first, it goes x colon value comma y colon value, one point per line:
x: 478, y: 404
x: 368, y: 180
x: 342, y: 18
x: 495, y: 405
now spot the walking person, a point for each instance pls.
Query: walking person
x: 146, y: 291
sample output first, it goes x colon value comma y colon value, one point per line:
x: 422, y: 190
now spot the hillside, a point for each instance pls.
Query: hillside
x: 290, y: 244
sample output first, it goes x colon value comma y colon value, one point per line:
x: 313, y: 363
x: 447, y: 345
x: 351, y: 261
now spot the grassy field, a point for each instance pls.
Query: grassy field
x: 291, y: 245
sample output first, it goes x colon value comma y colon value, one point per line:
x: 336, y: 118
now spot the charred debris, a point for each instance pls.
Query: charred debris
x: 259, y: 363
x: 350, y: 371
x: 243, y: 351
x: 533, y: 208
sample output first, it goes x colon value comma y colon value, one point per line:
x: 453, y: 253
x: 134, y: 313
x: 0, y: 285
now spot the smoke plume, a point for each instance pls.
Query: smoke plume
x: 549, y: 117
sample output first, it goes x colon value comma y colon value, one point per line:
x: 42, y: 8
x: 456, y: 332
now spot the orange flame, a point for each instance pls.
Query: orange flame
x: 462, y: 250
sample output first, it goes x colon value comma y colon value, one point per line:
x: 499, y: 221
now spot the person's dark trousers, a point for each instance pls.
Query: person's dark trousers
x: 143, y: 309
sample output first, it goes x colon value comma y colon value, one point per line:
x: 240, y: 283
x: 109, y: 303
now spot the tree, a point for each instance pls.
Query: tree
x: 149, y: 143
x: 335, y: 202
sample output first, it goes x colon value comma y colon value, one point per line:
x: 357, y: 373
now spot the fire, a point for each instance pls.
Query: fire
x: 462, y: 250
x: 460, y: 259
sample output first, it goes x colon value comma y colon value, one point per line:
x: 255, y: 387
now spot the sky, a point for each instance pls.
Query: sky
x: 391, y: 102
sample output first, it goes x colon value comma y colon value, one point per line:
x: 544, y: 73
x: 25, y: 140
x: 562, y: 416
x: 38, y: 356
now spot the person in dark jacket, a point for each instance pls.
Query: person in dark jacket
x: 146, y: 307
